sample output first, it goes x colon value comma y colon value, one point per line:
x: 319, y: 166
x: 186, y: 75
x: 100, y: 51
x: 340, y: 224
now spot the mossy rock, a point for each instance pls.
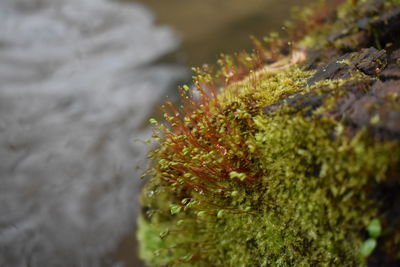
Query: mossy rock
x: 293, y: 161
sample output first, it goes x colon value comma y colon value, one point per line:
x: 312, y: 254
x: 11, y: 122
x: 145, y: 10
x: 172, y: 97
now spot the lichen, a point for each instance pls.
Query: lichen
x: 235, y: 184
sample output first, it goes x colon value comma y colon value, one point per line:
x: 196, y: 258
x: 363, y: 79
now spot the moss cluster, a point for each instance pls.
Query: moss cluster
x: 235, y: 185
x: 343, y: 29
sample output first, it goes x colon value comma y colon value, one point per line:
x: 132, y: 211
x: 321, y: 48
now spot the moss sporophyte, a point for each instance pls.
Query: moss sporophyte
x: 266, y: 164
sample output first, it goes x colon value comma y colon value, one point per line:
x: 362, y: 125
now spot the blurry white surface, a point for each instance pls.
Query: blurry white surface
x: 76, y: 88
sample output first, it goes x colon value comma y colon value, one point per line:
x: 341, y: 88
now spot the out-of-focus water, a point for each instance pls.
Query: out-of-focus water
x: 77, y: 85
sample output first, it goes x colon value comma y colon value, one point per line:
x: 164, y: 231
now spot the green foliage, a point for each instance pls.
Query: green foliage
x: 231, y: 185
x: 151, y: 243
x: 374, y: 228
x: 277, y: 191
x: 367, y: 247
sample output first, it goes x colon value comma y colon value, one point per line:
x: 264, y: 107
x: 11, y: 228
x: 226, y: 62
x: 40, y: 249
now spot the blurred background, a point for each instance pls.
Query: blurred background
x: 79, y: 80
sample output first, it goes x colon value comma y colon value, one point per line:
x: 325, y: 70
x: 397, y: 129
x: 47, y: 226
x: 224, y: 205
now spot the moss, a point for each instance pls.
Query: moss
x: 308, y: 206
x: 319, y: 187
x: 343, y: 25
x: 151, y: 243
x: 235, y: 184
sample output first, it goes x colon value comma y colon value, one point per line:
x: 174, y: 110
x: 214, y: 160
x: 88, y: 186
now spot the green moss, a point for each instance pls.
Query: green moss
x: 309, y: 201
x: 343, y: 23
x: 232, y: 185
x: 151, y: 243
x: 318, y: 187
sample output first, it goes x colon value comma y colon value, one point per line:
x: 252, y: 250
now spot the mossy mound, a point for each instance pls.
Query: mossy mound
x: 293, y: 163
